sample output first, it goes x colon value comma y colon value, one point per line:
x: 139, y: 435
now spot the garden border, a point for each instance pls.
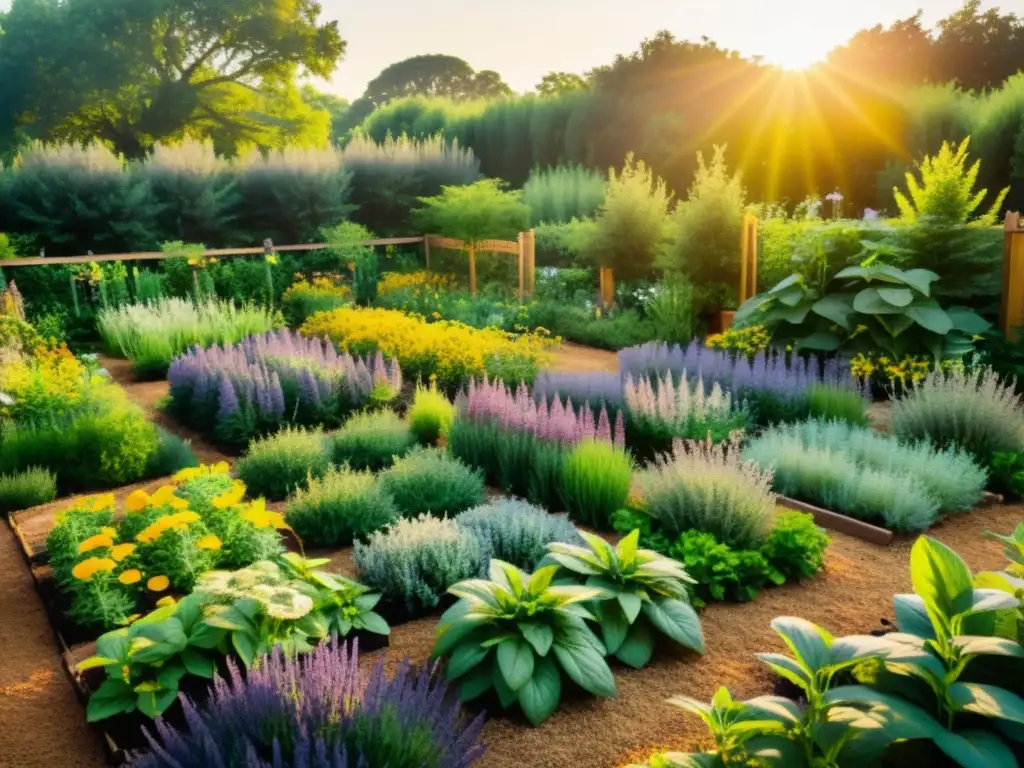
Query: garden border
x: 836, y: 521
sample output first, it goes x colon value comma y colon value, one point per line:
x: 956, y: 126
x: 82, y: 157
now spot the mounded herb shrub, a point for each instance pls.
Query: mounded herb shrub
x: 279, y: 464
x: 707, y: 487
x: 340, y: 507
x: 371, y: 441
x: 431, y: 415
x: 596, y: 478
x: 430, y: 481
x: 516, y: 532
x: 906, y: 486
x: 29, y: 488
x: 318, y: 704
x: 172, y: 454
x: 828, y: 401
x: 974, y: 411
x: 413, y: 562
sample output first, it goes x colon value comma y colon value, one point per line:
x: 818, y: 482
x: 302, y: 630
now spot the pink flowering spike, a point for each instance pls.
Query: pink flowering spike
x: 604, y: 428
x: 619, y: 441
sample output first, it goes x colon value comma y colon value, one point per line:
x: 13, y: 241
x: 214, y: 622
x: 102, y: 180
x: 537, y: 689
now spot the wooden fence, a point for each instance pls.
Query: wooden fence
x: 524, y: 248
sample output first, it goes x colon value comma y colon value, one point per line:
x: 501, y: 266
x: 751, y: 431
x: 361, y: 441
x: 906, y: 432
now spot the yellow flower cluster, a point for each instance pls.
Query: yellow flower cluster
x: 907, y: 370
x: 163, y: 497
x: 320, y: 287
x: 258, y: 514
x: 749, y: 340
x: 179, y: 521
x: 50, y: 382
x: 230, y: 498
x: 418, y: 283
x: 191, y: 473
x: 453, y: 351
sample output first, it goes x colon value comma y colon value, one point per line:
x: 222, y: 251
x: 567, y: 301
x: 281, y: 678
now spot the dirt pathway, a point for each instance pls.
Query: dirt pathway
x: 571, y: 357
x: 42, y: 725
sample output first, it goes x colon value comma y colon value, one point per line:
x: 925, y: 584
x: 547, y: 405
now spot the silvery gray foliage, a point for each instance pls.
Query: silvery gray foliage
x: 516, y: 532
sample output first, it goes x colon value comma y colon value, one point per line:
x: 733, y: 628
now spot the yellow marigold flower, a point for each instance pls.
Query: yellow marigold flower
x: 137, y: 501
x: 189, y: 473
x: 209, y: 542
x: 111, y: 532
x: 220, y: 468
x: 131, y: 576
x: 121, y: 551
x: 164, y: 601
x: 95, y: 542
x: 184, y: 518
x: 86, y: 569
x: 99, y: 503
x: 230, y: 498
x: 163, y: 495
x: 158, y: 584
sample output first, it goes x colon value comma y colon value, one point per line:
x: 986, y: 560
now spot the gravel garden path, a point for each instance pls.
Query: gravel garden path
x: 44, y: 726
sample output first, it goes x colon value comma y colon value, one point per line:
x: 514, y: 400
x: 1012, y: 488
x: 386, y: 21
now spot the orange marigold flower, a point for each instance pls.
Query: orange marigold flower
x: 131, y: 576
x: 158, y: 584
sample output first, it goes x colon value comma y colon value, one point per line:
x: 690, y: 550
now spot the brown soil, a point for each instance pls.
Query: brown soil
x: 42, y: 724
x: 148, y: 395
x: 569, y: 357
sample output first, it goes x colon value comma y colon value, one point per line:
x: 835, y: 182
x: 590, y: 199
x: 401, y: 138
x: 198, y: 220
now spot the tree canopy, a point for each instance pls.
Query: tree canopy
x: 134, y: 73
x: 557, y: 83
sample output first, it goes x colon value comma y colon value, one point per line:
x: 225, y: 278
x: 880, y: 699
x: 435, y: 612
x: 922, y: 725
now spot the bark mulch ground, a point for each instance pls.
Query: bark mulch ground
x: 575, y: 358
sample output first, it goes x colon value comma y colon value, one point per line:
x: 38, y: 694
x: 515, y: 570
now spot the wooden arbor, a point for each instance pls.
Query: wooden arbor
x: 524, y: 248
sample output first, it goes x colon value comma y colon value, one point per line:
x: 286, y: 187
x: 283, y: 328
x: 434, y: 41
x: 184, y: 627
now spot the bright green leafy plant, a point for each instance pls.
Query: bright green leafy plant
x: 641, y: 591
x: 518, y: 634
x: 863, y: 309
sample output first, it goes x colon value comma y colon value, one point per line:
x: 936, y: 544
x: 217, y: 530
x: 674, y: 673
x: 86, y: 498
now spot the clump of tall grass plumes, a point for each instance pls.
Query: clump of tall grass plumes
x: 431, y: 415
x: 29, y: 488
x: 596, y: 477
x: 152, y: 334
x: 907, y: 486
x: 708, y: 487
x: 563, y: 193
x: 972, y: 410
x: 827, y: 401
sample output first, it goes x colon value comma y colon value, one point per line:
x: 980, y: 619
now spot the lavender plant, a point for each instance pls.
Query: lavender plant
x: 253, y: 387
x: 319, y: 709
x: 773, y: 384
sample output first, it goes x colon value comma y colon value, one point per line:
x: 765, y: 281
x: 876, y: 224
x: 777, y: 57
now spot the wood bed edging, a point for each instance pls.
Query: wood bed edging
x: 835, y: 521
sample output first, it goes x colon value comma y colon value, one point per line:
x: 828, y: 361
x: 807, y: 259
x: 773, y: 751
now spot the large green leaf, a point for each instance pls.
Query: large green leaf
x: 895, y: 325
x: 929, y: 315
x: 786, y: 285
x: 631, y: 605
x: 198, y: 663
x: 170, y: 674
x: 538, y: 635
x: 870, y: 302
x: 112, y: 698
x: 374, y: 622
x: 154, y: 703
x: 786, y: 667
x: 987, y: 700
x: 912, y: 616
x: 586, y: 667
x: 968, y: 321
x: 506, y: 695
x: 821, y: 341
x: 466, y: 655
x: 988, y: 646
x: 677, y: 620
x: 162, y: 641
x: 794, y: 315
x: 919, y: 279
x: 515, y: 660
x: 856, y: 648
x: 808, y: 642
x: 245, y: 646
x: 837, y: 307
x: 941, y: 578
x: 539, y: 696
x: 637, y: 648
x: 613, y: 623
x: 898, y: 297
x: 476, y: 682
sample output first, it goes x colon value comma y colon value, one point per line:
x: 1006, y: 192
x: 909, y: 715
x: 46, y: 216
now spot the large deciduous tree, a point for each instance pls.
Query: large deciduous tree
x: 133, y: 73
x: 557, y: 83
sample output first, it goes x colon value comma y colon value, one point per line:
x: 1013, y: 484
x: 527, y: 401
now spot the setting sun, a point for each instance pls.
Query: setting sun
x: 797, y: 55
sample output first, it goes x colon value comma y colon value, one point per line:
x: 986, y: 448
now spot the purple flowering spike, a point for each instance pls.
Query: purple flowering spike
x: 604, y: 428
x: 619, y: 440
x: 227, y: 400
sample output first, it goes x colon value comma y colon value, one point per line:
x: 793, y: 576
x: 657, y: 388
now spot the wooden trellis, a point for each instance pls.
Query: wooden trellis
x: 524, y: 247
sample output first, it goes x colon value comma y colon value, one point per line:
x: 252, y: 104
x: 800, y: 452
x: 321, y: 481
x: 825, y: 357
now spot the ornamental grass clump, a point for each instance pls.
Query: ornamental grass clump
x: 432, y: 482
x: 516, y: 532
x: 596, y: 479
x: 907, y: 486
x: 827, y: 401
x: 277, y: 465
x: 251, y: 388
x: 371, y: 441
x: 707, y: 487
x: 320, y: 709
x: 453, y: 352
x: 151, y: 335
x: 773, y: 384
x: 430, y: 415
x: 972, y: 410
x: 339, y: 508
x: 28, y: 488
x: 414, y: 561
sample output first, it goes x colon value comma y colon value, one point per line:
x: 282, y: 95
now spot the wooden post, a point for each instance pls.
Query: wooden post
x: 426, y: 250
x: 607, y: 276
x: 522, y: 265
x: 472, y: 268
x: 531, y: 261
x: 748, y: 258
x: 1011, y: 311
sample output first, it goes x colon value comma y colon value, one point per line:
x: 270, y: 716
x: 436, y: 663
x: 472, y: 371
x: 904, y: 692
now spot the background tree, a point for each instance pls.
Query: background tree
x: 557, y: 83
x: 335, y: 106
x: 134, y: 73
x: 979, y: 50
x: 902, y: 53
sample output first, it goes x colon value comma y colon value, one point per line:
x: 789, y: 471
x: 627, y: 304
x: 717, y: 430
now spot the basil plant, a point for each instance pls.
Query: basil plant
x: 641, y: 591
x: 944, y: 688
x: 518, y: 635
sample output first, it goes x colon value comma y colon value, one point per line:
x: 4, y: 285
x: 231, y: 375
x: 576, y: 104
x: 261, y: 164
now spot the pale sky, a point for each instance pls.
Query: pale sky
x: 525, y: 39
